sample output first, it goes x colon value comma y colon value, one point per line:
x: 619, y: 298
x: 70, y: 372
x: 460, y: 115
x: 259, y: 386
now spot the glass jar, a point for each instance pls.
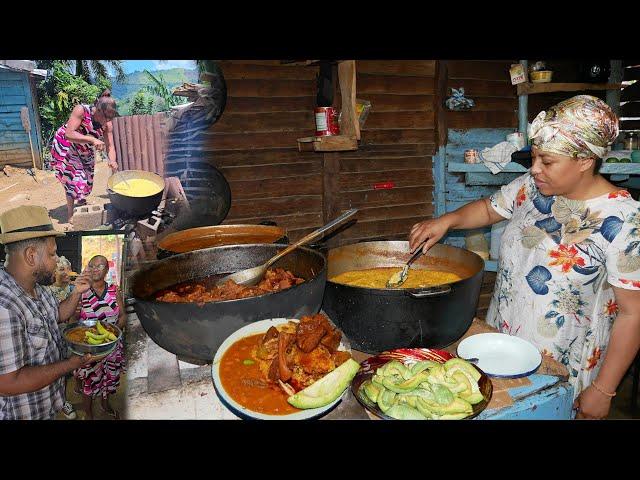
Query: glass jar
x: 631, y: 141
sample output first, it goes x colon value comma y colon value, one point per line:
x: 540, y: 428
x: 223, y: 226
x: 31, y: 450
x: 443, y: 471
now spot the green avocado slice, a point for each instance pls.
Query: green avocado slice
x: 408, y: 398
x: 463, y: 364
x: 328, y: 388
x: 403, y: 411
x: 442, y: 394
x: 371, y: 390
x: 423, y: 365
x: 395, y: 367
x: 474, y: 398
x: 407, y: 385
x: 386, y: 399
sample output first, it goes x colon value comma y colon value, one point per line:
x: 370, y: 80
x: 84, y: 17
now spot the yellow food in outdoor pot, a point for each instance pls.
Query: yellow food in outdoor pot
x: 378, y: 277
x: 137, y: 187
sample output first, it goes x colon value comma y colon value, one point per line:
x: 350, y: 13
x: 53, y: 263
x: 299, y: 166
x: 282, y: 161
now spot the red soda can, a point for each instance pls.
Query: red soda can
x: 326, y: 121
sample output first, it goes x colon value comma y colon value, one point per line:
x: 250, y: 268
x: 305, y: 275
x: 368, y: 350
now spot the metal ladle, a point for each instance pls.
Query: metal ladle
x: 99, y: 158
x: 251, y: 276
x: 400, y: 277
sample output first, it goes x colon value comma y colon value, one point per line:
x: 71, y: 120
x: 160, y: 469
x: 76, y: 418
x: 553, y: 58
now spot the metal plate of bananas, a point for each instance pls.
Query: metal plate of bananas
x: 91, y: 336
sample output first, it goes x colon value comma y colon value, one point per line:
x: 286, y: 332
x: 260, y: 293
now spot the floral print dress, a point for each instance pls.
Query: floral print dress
x: 558, y: 260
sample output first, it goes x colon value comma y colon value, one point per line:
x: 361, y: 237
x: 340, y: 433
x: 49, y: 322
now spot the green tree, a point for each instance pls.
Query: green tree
x: 160, y: 89
x: 141, y: 105
x: 94, y: 69
x: 58, y: 94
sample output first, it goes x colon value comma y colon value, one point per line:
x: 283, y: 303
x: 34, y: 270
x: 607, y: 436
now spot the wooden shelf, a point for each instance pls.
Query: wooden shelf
x: 349, y: 126
x: 332, y: 143
x: 532, y: 88
x: 512, y: 167
x: 459, y: 167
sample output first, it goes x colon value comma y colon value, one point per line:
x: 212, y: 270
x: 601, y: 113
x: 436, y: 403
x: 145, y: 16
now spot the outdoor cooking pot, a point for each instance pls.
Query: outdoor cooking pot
x: 194, y: 332
x: 217, y: 235
x: 375, y: 320
x: 135, y: 205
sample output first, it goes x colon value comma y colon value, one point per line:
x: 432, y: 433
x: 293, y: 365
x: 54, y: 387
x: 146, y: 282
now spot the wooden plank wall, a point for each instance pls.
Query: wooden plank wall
x: 488, y: 84
x: 140, y: 142
x: 269, y: 106
x: 15, y: 93
x: 397, y: 145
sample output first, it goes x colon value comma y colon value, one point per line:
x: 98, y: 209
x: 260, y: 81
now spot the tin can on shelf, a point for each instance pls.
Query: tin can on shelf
x: 326, y: 121
x: 471, y: 156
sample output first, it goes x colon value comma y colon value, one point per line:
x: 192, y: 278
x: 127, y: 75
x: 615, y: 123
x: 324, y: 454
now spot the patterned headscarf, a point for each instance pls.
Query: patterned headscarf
x: 63, y: 262
x: 580, y: 127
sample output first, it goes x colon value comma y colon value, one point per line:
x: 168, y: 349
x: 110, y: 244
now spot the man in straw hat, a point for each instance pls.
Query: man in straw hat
x: 569, y: 270
x: 32, y: 351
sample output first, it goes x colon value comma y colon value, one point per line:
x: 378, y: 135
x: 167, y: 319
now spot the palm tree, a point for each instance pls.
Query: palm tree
x: 160, y: 89
x: 92, y: 69
x: 210, y: 66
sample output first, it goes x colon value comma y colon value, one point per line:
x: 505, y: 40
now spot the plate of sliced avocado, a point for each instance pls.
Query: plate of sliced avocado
x: 421, y: 384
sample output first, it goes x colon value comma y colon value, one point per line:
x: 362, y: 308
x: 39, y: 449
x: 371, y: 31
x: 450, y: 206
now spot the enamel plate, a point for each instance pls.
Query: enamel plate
x: 252, y: 329
x: 501, y: 355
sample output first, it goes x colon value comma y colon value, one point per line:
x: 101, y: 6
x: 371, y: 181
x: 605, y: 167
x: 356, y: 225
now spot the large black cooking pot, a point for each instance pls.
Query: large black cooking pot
x: 137, y: 206
x: 375, y: 320
x: 199, y: 238
x: 194, y: 332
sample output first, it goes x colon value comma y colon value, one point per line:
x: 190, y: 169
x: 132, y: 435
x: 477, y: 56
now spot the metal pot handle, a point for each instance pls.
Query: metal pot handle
x: 432, y: 292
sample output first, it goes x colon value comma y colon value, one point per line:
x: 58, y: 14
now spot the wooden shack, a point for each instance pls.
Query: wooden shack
x: 399, y: 174
x: 18, y: 146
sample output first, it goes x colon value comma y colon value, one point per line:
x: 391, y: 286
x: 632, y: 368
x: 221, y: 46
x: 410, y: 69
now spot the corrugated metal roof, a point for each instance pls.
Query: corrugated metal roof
x: 25, y: 65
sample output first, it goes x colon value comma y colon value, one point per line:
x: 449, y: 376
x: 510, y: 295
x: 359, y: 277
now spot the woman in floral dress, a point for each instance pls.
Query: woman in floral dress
x: 102, y: 302
x: 74, y: 146
x: 569, y: 269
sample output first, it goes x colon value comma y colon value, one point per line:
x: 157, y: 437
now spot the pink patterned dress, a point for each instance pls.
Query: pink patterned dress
x: 103, y: 377
x: 74, y: 163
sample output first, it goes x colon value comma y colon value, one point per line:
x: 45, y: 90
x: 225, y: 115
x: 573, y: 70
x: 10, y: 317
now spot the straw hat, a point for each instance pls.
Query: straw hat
x: 24, y: 222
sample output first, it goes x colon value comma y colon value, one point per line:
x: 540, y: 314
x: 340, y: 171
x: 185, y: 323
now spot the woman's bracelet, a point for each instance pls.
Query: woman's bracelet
x: 610, y: 395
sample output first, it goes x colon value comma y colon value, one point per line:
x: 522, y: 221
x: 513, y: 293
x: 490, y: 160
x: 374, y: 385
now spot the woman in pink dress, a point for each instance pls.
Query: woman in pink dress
x: 89, y: 129
x: 101, y: 302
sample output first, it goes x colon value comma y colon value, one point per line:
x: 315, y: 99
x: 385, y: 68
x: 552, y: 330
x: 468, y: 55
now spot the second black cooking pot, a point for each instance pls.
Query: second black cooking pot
x: 194, y: 332
x: 375, y: 320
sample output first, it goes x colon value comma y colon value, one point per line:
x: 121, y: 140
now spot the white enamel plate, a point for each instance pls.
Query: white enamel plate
x: 501, y: 355
x: 252, y: 329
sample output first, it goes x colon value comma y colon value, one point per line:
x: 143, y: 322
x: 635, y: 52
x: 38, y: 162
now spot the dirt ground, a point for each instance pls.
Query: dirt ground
x: 17, y: 188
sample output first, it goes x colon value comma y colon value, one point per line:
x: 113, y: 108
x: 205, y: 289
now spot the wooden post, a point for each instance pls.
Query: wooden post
x: 331, y: 186
x: 613, y: 96
x: 347, y: 78
x: 442, y: 75
x: 523, y: 102
x: 24, y: 116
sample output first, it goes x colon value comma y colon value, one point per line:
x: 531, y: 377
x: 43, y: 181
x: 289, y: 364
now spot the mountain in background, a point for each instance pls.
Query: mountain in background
x: 123, y: 92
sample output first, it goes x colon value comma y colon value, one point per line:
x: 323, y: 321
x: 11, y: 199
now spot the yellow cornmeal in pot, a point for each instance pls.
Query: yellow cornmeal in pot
x: 378, y: 277
x: 137, y: 187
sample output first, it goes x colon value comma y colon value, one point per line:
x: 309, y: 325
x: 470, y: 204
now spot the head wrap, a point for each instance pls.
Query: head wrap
x: 63, y: 262
x: 580, y: 127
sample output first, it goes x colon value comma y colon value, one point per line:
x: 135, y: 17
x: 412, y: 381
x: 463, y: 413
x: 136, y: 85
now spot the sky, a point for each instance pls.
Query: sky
x: 139, y: 65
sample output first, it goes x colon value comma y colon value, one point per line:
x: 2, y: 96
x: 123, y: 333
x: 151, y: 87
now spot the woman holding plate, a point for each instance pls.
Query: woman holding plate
x: 102, y: 302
